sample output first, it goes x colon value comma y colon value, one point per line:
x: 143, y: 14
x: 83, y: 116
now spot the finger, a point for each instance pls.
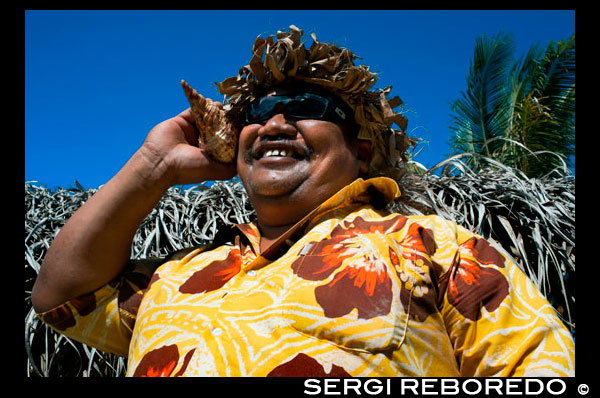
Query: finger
x: 185, y: 121
x: 187, y: 115
x: 222, y: 171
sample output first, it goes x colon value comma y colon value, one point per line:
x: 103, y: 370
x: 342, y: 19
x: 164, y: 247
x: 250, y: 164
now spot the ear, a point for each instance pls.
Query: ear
x: 364, y: 152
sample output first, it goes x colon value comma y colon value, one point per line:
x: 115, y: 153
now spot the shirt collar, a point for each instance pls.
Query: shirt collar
x: 358, y: 193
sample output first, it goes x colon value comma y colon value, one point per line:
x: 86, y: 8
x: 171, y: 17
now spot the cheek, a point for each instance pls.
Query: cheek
x: 246, y: 138
x: 339, y: 162
x: 330, y: 143
x: 322, y: 134
x: 247, y: 135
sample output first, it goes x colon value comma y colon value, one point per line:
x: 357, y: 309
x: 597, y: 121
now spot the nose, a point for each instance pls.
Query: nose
x: 277, y: 125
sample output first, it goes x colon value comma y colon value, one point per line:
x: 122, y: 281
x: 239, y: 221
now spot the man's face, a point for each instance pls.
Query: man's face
x: 296, y: 162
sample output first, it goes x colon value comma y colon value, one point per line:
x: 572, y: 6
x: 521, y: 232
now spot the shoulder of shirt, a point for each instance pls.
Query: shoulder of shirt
x: 427, y: 221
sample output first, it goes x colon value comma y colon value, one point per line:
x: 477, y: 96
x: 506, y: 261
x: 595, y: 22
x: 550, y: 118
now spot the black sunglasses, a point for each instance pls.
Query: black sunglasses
x: 297, y: 106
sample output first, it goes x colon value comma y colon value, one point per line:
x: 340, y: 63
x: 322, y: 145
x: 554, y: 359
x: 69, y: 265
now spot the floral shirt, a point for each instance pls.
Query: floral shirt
x: 348, y: 291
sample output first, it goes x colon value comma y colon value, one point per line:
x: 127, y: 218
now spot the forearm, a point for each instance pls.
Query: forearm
x: 94, y: 245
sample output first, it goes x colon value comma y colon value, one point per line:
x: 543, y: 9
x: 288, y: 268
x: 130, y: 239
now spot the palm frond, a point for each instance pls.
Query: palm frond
x: 531, y: 101
x: 555, y: 89
x: 481, y: 112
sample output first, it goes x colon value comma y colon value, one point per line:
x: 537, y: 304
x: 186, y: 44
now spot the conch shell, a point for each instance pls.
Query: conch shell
x: 217, y: 134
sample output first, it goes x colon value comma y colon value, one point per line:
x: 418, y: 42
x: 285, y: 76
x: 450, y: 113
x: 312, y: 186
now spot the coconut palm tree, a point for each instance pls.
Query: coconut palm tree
x: 521, y: 113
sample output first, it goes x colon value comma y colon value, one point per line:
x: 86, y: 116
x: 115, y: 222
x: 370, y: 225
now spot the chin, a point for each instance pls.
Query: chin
x: 276, y: 189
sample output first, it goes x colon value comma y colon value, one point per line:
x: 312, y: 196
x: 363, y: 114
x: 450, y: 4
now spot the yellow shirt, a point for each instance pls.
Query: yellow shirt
x: 349, y: 291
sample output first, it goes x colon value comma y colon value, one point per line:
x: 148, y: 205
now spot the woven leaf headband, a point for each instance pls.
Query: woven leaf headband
x: 284, y: 58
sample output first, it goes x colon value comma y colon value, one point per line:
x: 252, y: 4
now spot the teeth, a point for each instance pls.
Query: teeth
x: 275, y: 152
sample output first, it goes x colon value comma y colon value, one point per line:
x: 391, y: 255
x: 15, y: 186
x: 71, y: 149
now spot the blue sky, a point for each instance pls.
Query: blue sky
x: 96, y: 82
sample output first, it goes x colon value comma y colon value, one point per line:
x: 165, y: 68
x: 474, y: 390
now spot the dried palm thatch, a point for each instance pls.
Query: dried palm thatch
x: 534, y: 220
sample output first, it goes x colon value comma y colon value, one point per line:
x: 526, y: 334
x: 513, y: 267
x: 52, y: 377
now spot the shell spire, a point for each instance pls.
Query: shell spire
x: 218, y: 136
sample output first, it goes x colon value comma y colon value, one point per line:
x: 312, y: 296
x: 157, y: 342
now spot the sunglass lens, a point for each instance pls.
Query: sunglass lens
x: 262, y: 109
x: 307, y: 107
x: 303, y: 106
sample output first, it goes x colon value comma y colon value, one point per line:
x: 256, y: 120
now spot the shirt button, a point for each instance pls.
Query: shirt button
x: 217, y: 331
x: 251, y: 273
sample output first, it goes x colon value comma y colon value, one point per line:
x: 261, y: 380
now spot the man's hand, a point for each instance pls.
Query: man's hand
x: 172, y: 155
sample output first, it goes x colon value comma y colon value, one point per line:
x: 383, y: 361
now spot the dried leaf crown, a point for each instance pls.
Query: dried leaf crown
x: 284, y: 59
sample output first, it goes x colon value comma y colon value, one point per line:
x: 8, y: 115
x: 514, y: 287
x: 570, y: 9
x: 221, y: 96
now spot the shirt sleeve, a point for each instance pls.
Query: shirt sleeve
x: 498, y: 321
x: 104, y: 319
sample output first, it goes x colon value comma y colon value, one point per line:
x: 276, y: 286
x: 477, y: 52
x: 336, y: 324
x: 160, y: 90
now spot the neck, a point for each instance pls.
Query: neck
x: 275, y: 217
x: 269, y: 234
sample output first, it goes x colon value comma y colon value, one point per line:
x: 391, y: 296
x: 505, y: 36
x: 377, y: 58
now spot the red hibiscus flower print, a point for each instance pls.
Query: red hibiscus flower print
x: 419, y: 241
x: 62, y: 318
x: 411, y: 257
x: 363, y: 282
x: 85, y: 303
x: 418, y: 294
x: 161, y: 362
x: 365, y: 286
x: 484, y: 252
x: 214, y: 275
x: 304, y: 366
x: 471, y: 286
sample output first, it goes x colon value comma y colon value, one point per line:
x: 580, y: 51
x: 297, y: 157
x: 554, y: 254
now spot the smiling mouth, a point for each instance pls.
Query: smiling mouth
x: 277, y: 153
x: 275, y: 150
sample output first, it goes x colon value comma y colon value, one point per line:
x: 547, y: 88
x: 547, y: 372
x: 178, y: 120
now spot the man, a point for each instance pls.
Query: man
x: 325, y: 282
